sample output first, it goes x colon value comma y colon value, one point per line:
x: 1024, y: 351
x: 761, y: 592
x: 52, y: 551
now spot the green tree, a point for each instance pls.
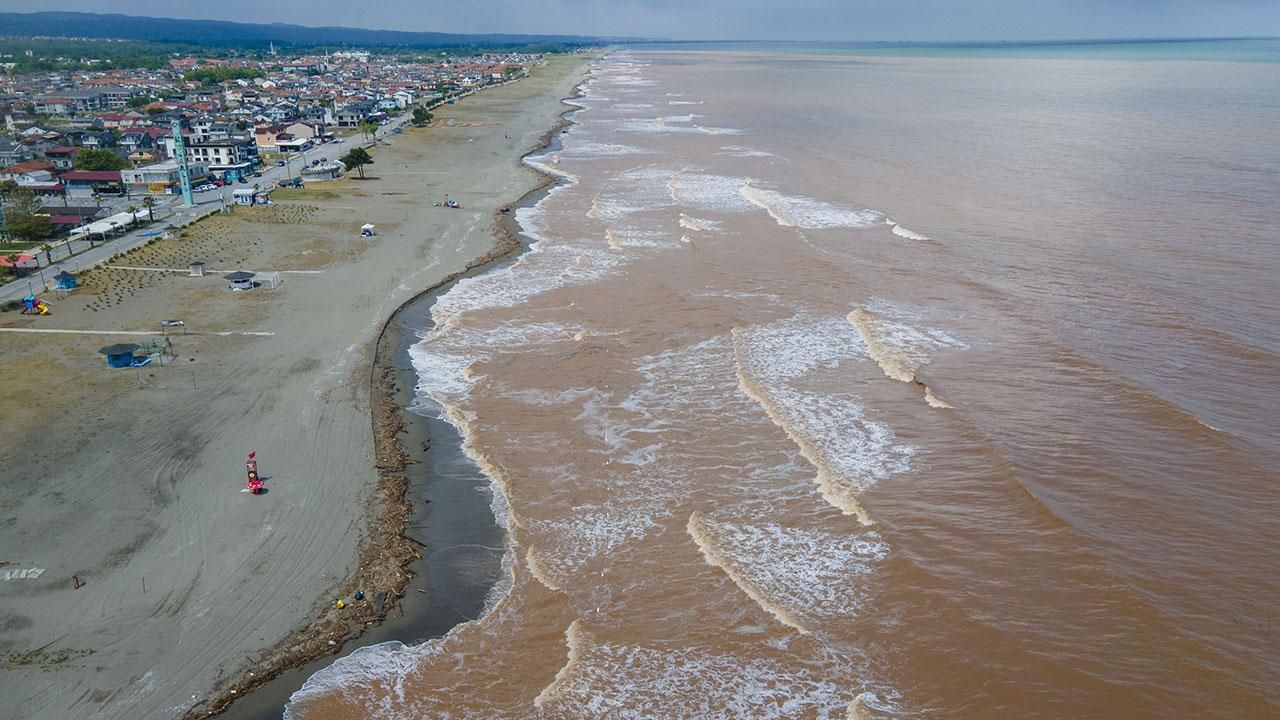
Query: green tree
x: 25, y: 218
x: 149, y: 203
x: 421, y: 116
x: 368, y: 128
x: 140, y: 101
x: 357, y: 158
x: 99, y: 159
x: 221, y: 74
x: 133, y: 214
x: 12, y: 259
x: 8, y: 187
x: 47, y: 249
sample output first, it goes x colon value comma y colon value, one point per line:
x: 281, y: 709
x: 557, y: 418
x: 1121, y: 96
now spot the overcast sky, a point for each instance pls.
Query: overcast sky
x: 739, y: 19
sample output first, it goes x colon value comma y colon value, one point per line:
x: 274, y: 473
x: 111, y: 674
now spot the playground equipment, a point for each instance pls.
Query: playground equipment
x: 32, y: 305
x: 253, y: 485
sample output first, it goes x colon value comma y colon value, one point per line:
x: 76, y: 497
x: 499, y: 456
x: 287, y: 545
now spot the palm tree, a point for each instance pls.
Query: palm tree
x: 12, y: 259
x: 148, y: 203
x: 47, y: 249
x: 132, y: 210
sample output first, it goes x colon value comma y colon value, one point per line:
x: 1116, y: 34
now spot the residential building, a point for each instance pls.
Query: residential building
x: 87, y: 183
x: 63, y: 157
x: 162, y: 178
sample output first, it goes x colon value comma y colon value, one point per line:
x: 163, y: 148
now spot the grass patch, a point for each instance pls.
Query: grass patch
x: 6, y: 247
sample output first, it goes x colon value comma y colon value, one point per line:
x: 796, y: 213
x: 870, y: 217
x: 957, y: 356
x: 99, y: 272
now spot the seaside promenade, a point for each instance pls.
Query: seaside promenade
x: 130, y: 480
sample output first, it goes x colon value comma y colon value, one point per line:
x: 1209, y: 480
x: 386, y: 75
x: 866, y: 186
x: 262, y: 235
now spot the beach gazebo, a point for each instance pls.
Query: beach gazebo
x: 171, y: 232
x: 65, y: 281
x: 239, y: 280
x: 119, y: 355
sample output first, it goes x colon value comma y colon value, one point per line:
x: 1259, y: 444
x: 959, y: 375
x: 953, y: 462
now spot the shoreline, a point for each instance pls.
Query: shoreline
x: 387, y: 550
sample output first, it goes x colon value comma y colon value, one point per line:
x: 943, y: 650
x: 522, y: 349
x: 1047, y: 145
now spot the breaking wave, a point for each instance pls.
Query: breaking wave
x: 898, y: 348
x: 807, y: 213
x: 804, y: 577
x: 850, y: 451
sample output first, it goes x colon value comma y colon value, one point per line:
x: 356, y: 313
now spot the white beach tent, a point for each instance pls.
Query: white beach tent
x: 119, y: 221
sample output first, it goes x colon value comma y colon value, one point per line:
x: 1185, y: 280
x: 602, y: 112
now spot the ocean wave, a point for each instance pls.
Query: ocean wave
x: 807, y: 213
x: 586, y: 540
x: 850, y: 451
x: 710, y: 130
x: 615, y: 680
x: 806, y: 578
x: 899, y: 348
x: 590, y: 150
x: 903, y: 232
x: 688, y: 222
x: 373, y: 670
x: 796, y: 346
x: 704, y: 191
x: 745, y: 152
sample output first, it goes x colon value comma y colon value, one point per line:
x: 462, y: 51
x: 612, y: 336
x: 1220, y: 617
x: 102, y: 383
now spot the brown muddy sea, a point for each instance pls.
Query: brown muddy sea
x: 838, y: 386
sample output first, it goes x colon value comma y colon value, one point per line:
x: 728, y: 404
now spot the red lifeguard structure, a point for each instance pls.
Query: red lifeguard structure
x: 254, y: 483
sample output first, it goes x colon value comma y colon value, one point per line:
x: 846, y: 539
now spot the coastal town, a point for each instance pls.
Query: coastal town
x: 87, y: 154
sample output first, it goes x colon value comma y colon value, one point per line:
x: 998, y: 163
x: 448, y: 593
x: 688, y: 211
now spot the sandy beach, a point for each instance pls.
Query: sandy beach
x: 129, y: 480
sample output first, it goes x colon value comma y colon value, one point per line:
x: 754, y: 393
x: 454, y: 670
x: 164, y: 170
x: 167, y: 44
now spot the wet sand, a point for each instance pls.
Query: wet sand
x: 130, y: 480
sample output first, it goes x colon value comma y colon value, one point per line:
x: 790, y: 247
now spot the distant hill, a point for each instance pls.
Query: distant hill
x: 221, y: 33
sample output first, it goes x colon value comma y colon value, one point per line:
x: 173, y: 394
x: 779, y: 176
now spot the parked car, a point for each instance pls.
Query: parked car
x: 284, y: 184
x: 217, y: 183
x: 257, y: 174
x: 244, y: 181
x: 279, y: 163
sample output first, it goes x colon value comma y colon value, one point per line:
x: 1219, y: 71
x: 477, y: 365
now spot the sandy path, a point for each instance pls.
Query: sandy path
x: 126, y: 485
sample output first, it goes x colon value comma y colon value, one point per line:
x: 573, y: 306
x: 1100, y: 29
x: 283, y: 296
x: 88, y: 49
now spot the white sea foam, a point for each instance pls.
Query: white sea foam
x: 591, y: 533
x: 807, y: 213
x: 703, y: 191
x: 807, y: 578
x: 900, y: 347
x: 745, y: 152
x: 851, y: 451
x: 589, y: 150
x: 371, y: 671
x: 794, y: 347
x: 688, y: 222
x: 547, y: 268
x: 709, y: 130
x: 636, y: 681
x: 903, y: 232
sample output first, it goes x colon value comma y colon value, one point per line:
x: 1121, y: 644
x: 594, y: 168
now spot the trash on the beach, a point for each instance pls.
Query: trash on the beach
x: 340, y: 604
